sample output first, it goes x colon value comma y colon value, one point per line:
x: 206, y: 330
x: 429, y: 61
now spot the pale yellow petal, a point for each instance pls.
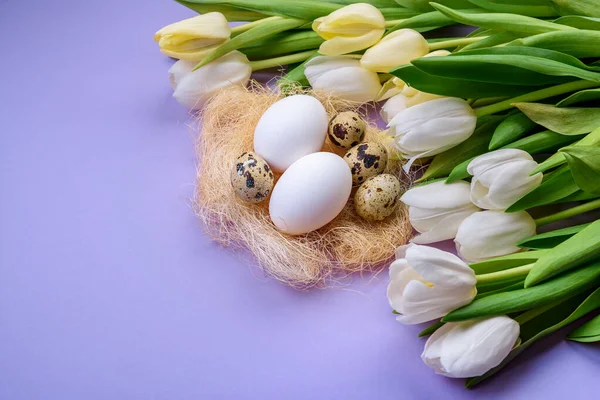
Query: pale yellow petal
x: 343, y: 45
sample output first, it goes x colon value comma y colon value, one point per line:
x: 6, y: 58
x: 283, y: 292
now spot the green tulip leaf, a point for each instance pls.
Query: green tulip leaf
x: 230, y: 13
x: 532, y: 10
x: 557, y: 186
x: 592, y: 139
x: 579, y: 43
x: 504, y: 287
x: 515, y: 65
x: 477, y: 144
x: 579, y: 22
x: 283, y: 43
x: 577, y: 250
x: 549, y: 240
x: 538, y: 143
x: 565, y: 120
x: 494, y: 39
x: 432, y: 19
x: 424, y: 5
x: 455, y: 87
x: 502, y: 21
x: 253, y: 35
x: 307, y: 10
x: 584, y: 162
x: 588, y: 8
x: 588, y: 332
x: 544, y: 325
x: 514, y: 127
x: 561, y: 287
x: 580, y: 97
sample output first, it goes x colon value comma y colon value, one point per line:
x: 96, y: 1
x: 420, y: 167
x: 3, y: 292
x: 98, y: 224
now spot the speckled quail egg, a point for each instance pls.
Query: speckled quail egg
x: 346, y: 129
x: 366, y: 160
x: 252, y: 178
x: 377, y: 198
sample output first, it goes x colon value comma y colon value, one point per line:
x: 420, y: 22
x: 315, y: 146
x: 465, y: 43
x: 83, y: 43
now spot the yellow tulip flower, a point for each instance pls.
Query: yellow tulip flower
x: 351, y: 28
x: 193, y: 38
x: 396, y: 49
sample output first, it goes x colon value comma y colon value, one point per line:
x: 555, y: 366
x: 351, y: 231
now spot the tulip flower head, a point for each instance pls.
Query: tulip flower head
x: 344, y: 77
x: 193, y: 38
x: 501, y: 177
x: 402, y: 96
x: 396, y: 49
x: 194, y: 88
x: 427, y: 283
x: 470, y: 348
x: 351, y: 28
x: 432, y: 127
x: 488, y: 234
x: 437, y: 209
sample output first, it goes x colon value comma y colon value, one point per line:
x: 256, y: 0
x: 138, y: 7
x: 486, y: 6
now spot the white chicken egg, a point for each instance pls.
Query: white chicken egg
x: 290, y: 129
x: 310, y: 193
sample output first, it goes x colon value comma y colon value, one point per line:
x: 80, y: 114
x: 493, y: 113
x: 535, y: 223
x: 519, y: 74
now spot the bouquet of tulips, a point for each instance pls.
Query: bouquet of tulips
x: 505, y: 120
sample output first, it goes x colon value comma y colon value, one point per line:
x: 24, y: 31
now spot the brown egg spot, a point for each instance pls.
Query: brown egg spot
x: 368, y: 159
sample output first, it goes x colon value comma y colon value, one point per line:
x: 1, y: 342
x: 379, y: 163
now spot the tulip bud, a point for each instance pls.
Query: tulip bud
x: 436, y: 210
x: 194, y: 88
x: 344, y: 77
x: 396, y: 49
x: 488, y: 234
x: 471, y: 348
x: 193, y: 38
x: 427, y: 283
x: 351, y: 28
x: 432, y: 127
x: 501, y: 177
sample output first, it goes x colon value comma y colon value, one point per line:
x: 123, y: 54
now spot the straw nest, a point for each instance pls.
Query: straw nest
x: 345, y: 246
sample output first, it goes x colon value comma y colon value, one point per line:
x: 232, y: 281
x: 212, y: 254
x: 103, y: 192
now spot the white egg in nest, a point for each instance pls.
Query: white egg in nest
x: 310, y: 193
x: 290, y: 129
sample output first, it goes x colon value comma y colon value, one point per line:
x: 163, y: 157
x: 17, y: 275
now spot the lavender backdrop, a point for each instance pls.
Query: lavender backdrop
x: 108, y: 288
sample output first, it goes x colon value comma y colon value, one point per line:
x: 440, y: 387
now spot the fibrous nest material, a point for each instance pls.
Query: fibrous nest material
x: 345, y: 246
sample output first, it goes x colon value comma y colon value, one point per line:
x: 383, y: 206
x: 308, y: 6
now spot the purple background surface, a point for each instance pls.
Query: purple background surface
x: 109, y: 289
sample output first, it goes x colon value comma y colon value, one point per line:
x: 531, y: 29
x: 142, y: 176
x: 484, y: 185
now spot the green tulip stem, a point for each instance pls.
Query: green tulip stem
x: 385, y: 77
x: 283, y: 60
x: 392, y: 23
x: 446, y: 44
x: 504, y: 275
x: 571, y: 212
x: 535, y: 96
x: 236, y: 30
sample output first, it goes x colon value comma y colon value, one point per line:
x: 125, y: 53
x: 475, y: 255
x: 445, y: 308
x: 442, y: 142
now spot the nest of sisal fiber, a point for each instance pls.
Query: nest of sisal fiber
x: 346, y: 245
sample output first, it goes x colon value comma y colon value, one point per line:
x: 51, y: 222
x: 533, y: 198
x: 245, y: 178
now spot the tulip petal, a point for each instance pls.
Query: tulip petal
x: 344, y: 77
x: 339, y: 45
x: 395, y: 49
x: 440, y: 267
x: 196, y: 87
x: 488, y: 234
x: 444, y: 229
x: 178, y: 70
x: 438, y: 195
x: 471, y: 348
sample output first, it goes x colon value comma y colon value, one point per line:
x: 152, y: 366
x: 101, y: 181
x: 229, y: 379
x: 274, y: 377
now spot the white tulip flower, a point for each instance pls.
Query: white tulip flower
x: 471, y: 348
x: 402, y: 96
x: 436, y: 210
x: 501, y: 177
x: 344, y: 77
x: 432, y: 127
x: 194, y: 88
x: 488, y: 234
x: 427, y: 283
x: 395, y: 49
